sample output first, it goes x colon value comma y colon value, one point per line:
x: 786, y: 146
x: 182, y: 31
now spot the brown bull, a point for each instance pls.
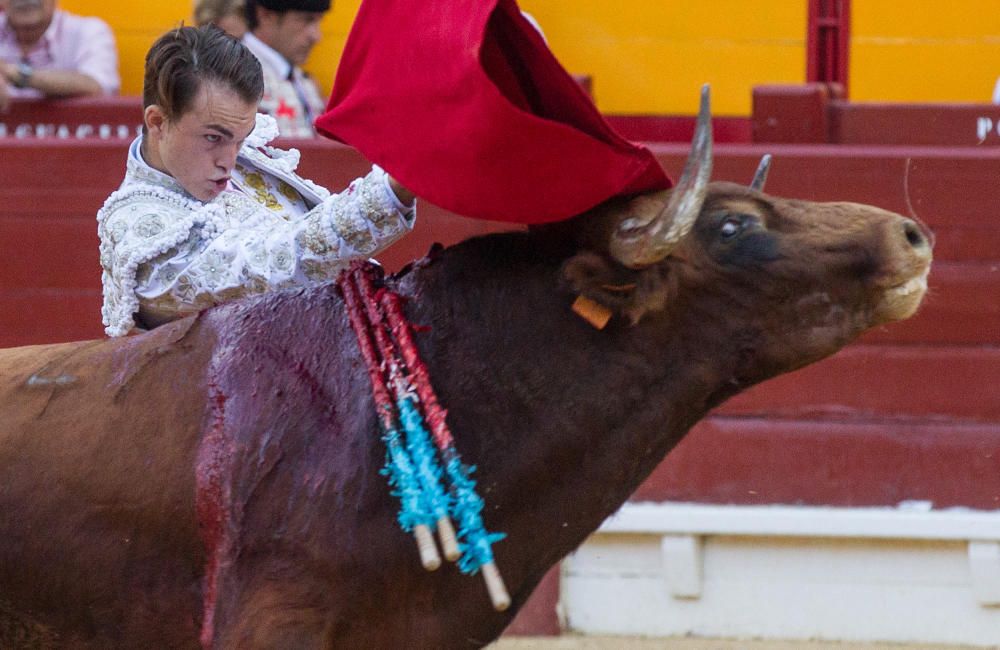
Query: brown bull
x: 242, y: 443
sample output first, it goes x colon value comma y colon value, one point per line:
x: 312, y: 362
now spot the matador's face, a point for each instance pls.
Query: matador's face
x: 199, y: 147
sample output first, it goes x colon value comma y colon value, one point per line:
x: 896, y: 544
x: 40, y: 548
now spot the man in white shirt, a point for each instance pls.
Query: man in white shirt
x: 282, y: 34
x: 45, y: 52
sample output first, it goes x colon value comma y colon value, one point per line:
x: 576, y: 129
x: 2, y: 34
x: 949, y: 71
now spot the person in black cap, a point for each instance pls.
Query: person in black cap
x: 282, y: 34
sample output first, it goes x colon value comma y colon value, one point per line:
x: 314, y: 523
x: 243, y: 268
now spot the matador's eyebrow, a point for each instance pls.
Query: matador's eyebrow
x: 221, y: 129
x: 226, y: 132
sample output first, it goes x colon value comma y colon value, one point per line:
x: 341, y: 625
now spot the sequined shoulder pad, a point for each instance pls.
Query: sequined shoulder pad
x: 135, y: 225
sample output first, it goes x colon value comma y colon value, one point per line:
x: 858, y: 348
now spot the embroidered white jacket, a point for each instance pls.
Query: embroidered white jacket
x: 167, y: 255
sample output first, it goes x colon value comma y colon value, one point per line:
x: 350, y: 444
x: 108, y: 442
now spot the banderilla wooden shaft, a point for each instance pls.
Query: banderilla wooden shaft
x: 429, y: 557
x: 449, y: 541
x: 495, y: 586
x: 386, y: 348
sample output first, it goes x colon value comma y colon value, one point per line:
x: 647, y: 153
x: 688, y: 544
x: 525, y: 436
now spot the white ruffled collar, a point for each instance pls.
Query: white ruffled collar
x: 265, y: 130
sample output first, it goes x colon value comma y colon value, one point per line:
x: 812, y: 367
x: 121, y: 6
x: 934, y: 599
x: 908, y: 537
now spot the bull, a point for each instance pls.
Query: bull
x: 216, y: 481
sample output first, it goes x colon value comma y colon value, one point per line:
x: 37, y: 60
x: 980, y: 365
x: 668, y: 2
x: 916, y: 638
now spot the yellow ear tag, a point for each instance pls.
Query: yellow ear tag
x: 593, y: 312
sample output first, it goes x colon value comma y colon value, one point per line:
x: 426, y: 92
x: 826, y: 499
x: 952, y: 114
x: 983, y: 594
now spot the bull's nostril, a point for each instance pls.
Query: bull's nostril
x: 913, y: 234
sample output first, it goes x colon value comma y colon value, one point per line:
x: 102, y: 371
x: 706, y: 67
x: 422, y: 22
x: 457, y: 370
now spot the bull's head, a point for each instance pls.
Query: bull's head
x: 720, y: 250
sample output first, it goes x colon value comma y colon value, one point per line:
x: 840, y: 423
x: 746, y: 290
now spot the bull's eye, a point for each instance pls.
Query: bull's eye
x: 731, y: 226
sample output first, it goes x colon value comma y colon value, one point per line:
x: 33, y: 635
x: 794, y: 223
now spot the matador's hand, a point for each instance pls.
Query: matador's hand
x: 405, y: 196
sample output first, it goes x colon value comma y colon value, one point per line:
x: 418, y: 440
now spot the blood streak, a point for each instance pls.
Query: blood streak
x: 213, y: 498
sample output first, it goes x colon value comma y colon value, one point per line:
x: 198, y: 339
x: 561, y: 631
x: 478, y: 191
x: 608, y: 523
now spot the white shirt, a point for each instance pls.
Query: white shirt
x: 290, y: 96
x: 75, y: 43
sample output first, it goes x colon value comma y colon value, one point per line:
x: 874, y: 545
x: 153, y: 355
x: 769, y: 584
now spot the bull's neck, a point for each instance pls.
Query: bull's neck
x: 563, y: 421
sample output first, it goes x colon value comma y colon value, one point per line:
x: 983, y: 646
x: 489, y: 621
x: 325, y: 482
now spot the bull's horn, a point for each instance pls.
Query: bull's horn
x: 636, y: 244
x: 760, y: 176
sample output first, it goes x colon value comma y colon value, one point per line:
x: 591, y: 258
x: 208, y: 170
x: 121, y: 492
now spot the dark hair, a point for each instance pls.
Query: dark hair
x: 182, y: 58
x: 251, y: 13
x: 283, y: 7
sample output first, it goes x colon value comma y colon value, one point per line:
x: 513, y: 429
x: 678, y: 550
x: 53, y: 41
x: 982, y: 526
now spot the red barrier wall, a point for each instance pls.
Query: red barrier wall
x: 911, y: 412
x: 818, y: 114
x: 92, y: 118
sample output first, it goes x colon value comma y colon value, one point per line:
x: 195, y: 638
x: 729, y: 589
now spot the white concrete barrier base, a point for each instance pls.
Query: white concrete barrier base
x: 907, y: 574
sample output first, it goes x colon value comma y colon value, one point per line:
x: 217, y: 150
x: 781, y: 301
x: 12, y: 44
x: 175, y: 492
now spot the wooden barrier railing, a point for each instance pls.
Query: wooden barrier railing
x: 98, y: 118
x: 817, y: 114
x: 782, y: 114
x: 908, y: 413
x: 120, y: 118
x: 51, y: 190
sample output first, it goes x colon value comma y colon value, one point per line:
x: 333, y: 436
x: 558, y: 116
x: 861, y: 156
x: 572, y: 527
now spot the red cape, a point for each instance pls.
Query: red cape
x: 465, y: 105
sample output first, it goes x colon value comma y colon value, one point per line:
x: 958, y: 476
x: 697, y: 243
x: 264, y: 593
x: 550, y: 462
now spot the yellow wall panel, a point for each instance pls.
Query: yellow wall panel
x: 940, y: 72
x: 672, y: 19
x: 646, y: 56
x: 924, y: 50
x: 917, y: 20
x: 650, y: 56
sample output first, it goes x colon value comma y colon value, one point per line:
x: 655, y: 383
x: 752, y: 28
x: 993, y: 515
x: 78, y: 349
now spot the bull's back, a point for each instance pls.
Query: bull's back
x: 97, y: 450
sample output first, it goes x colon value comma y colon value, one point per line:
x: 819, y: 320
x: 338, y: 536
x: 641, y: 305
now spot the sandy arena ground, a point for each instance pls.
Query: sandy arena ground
x: 634, y: 643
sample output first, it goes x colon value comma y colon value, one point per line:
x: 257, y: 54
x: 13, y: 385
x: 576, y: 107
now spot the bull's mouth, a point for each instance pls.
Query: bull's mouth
x: 902, y: 300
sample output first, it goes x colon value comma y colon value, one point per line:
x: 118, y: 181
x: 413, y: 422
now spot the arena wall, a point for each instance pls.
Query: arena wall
x: 902, y: 428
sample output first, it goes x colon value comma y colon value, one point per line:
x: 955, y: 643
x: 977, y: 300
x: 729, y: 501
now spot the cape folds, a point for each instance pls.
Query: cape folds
x: 466, y: 106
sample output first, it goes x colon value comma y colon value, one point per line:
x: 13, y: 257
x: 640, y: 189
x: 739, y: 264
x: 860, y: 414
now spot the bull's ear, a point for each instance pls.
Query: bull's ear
x: 625, y: 292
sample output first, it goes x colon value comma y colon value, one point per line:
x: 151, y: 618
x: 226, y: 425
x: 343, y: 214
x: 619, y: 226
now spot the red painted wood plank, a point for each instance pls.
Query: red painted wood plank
x: 940, y: 383
x: 748, y: 461
x: 49, y: 253
x: 53, y: 166
x: 914, y: 124
x: 95, y: 118
x: 32, y: 316
x: 678, y: 128
x: 786, y: 113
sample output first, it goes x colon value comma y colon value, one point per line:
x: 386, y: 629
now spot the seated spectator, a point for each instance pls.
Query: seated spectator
x: 282, y: 34
x: 228, y: 15
x: 46, y: 52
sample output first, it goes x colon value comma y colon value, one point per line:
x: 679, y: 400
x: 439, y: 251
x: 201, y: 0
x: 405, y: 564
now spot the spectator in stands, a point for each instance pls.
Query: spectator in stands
x: 46, y: 52
x: 282, y: 34
x: 229, y: 15
x: 207, y: 213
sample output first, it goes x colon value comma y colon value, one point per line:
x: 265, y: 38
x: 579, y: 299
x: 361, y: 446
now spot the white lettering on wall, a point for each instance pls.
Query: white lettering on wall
x: 984, y: 125
x: 67, y: 131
